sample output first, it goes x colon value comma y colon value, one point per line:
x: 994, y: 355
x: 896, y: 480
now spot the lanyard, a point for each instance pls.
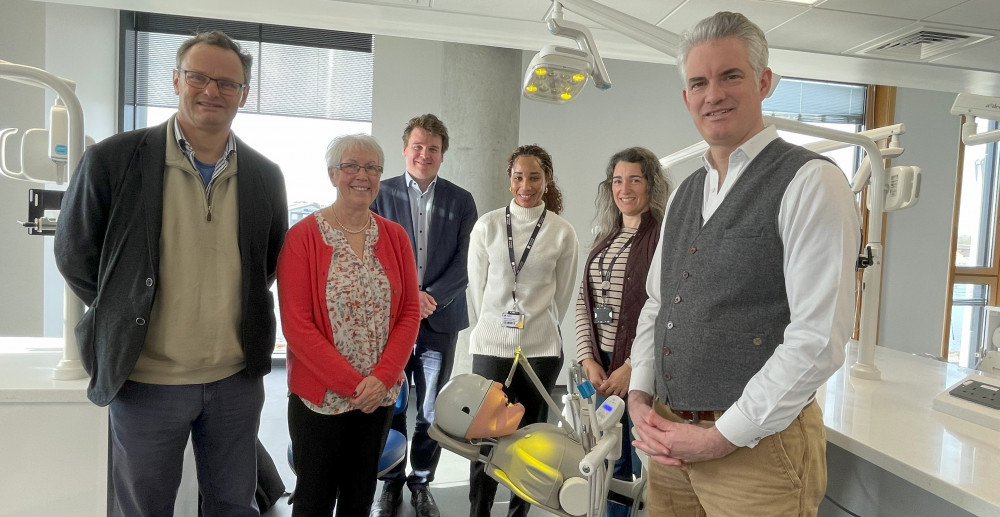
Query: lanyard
x: 524, y: 256
x: 606, y: 274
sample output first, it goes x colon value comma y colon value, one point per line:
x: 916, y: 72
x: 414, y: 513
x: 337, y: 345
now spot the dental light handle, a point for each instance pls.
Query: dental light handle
x: 58, y: 132
x: 607, y: 448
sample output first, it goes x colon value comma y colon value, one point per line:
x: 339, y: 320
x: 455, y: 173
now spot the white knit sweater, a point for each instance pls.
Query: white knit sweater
x: 545, y: 285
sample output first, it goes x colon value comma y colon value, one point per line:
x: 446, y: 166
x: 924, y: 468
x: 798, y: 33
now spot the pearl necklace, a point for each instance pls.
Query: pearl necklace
x: 344, y: 226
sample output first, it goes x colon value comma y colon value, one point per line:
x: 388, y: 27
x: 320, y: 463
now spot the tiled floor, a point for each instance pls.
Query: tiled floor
x: 450, y: 487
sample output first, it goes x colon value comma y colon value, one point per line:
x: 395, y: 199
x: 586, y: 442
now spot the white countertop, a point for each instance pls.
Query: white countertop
x: 26, y: 366
x: 891, y: 424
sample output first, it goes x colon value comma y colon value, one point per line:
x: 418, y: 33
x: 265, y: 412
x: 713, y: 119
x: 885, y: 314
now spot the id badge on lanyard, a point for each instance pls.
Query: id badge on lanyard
x: 603, y: 313
x: 514, y: 319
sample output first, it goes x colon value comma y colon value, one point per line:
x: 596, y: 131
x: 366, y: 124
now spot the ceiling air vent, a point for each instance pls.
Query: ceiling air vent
x: 921, y: 44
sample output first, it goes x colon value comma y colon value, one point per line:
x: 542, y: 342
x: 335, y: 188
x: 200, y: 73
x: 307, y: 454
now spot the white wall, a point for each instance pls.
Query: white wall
x: 407, y: 83
x: 918, y: 238
x: 22, y: 41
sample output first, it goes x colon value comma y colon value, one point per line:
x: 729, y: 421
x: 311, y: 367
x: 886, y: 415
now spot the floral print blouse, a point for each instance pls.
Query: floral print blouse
x: 358, y: 299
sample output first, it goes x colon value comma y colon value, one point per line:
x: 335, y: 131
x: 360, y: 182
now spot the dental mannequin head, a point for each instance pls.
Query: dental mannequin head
x: 471, y: 406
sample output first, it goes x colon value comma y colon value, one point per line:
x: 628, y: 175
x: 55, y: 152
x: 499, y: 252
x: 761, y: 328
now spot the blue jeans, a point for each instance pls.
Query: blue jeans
x: 428, y: 370
x: 150, y: 426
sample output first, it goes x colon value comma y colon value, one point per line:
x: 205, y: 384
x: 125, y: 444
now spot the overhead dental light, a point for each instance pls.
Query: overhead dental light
x: 557, y: 74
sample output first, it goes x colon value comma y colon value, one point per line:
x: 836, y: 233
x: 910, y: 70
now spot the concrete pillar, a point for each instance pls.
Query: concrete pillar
x: 480, y: 105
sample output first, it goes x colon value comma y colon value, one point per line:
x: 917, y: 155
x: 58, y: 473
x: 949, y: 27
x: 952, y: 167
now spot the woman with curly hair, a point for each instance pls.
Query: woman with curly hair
x: 522, y: 270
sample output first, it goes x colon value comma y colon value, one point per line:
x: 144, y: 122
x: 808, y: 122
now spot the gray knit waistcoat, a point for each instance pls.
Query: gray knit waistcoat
x: 723, y: 305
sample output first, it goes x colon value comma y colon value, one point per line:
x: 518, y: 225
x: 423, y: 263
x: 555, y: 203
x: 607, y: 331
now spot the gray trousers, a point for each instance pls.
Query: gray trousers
x: 150, y: 426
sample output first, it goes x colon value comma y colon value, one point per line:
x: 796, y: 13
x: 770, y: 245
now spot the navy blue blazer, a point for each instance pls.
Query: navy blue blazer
x: 447, y: 275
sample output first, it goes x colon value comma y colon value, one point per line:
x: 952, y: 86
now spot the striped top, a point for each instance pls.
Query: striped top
x: 605, y: 331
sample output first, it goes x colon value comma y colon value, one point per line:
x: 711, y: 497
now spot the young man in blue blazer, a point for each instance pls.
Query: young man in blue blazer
x: 438, y: 216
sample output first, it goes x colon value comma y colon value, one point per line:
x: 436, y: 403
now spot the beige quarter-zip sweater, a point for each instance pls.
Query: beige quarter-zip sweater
x: 194, y: 326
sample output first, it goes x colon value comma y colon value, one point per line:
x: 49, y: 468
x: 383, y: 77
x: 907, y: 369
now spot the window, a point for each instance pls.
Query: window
x: 829, y: 105
x: 975, y: 269
x: 307, y: 87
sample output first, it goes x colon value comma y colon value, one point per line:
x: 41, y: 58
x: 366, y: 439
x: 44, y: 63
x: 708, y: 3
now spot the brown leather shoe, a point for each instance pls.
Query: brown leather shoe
x: 424, y: 503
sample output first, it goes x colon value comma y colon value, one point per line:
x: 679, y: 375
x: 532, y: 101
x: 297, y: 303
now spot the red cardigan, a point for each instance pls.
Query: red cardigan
x: 314, y: 363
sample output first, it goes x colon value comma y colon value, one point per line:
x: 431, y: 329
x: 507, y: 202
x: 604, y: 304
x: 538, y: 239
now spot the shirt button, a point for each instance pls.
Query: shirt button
x: 686, y: 274
x: 670, y: 324
x: 692, y: 250
x: 677, y: 299
x: 757, y: 341
x: 140, y: 321
x: 149, y: 282
x: 670, y: 377
x: 666, y: 350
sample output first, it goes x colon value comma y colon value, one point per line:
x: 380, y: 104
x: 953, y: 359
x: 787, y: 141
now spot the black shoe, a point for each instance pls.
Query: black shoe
x: 388, y: 503
x: 424, y: 503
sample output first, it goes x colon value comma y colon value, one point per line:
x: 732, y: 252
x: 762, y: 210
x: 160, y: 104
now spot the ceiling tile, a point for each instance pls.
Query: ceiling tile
x: 513, y: 9
x: 851, y: 30
x: 979, y: 57
x: 911, y: 9
x: 767, y: 15
x: 974, y: 13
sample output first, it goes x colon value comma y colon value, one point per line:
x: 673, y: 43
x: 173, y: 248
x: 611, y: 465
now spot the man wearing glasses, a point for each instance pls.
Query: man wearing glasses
x: 171, y: 235
x: 438, y: 215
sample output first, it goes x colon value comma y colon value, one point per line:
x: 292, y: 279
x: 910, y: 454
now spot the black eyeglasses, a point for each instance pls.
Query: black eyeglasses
x: 198, y: 80
x: 353, y: 168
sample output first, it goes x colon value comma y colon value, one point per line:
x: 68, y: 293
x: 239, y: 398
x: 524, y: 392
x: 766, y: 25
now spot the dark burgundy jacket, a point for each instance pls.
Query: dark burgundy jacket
x: 633, y: 290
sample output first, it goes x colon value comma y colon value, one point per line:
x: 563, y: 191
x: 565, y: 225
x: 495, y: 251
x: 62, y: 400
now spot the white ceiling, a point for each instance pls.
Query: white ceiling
x: 806, y: 41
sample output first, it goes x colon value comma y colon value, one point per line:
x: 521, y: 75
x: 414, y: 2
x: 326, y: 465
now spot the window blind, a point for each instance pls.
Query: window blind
x: 296, y: 71
x: 811, y: 101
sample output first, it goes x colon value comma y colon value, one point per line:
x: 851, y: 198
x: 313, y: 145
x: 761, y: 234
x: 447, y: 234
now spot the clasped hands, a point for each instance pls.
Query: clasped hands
x: 673, y: 443
x: 615, y: 383
x: 368, y: 395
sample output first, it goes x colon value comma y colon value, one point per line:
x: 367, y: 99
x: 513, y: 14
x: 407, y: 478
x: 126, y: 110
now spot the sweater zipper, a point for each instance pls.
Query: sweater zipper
x: 208, y: 200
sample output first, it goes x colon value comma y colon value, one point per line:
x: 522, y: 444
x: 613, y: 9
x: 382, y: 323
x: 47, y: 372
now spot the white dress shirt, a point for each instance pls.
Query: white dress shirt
x: 421, y: 204
x: 820, y: 227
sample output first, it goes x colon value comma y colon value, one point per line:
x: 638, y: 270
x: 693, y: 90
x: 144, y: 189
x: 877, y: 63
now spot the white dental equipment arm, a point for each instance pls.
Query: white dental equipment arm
x: 871, y: 285
x: 64, y: 89
x: 973, y: 106
x: 70, y: 367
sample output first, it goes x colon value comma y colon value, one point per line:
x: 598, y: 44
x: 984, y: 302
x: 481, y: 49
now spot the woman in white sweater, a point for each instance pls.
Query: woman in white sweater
x: 522, y: 271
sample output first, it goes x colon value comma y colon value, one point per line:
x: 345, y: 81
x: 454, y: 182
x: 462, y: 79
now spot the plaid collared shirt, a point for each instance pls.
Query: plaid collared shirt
x: 189, y: 151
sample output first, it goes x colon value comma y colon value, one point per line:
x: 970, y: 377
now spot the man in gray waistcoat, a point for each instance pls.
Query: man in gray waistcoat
x: 751, y: 300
